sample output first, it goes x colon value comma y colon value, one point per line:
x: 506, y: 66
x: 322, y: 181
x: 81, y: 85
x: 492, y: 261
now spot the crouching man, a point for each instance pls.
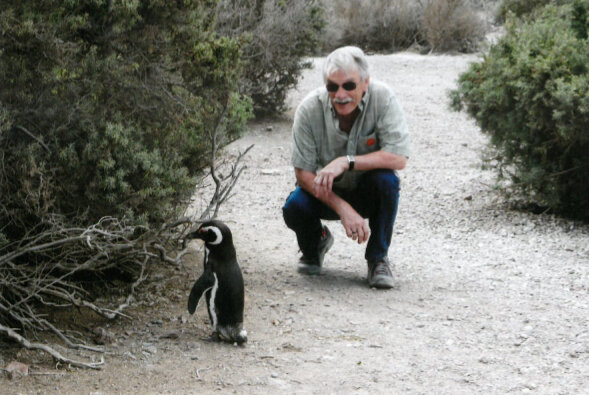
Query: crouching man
x: 350, y: 137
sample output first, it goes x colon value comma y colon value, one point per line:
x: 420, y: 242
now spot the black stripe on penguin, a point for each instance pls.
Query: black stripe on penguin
x: 221, y: 282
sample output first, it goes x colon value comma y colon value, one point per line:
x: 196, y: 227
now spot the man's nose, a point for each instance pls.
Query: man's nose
x: 341, y: 92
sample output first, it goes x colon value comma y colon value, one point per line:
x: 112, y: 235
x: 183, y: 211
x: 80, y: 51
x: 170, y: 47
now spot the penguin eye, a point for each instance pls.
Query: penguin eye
x: 213, y: 235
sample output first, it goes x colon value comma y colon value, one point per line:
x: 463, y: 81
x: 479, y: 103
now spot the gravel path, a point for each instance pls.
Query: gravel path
x: 488, y: 300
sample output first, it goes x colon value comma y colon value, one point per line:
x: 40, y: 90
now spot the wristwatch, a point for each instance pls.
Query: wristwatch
x: 351, y: 162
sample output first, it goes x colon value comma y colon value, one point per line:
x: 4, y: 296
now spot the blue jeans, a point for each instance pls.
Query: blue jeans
x: 375, y: 198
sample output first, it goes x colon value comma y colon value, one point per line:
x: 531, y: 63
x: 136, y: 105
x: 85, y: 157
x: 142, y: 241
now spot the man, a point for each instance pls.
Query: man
x: 350, y: 137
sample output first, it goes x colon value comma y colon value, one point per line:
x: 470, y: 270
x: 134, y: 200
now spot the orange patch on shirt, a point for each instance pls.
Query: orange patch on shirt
x: 370, y: 142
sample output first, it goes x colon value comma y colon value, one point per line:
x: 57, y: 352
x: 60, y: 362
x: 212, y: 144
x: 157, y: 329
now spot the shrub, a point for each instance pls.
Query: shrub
x: 278, y: 35
x: 521, y: 8
x: 531, y: 95
x: 107, y: 112
x: 452, y: 25
x: 389, y: 25
x: 378, y: 25
x: 108, y: 105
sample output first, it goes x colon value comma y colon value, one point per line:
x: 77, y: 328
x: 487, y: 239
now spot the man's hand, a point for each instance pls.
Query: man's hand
x: 323, y: 183
x: 355, y: 226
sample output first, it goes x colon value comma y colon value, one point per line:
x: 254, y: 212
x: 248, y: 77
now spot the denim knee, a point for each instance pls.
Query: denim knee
x: 294, y: 208
x: 383, y: 181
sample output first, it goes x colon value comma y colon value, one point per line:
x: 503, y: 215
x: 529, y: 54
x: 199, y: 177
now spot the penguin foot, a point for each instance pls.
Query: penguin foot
x: 213, y: 338
x: 232, y: 334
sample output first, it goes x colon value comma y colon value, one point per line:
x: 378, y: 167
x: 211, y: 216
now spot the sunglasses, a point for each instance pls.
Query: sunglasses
x: 333, y: 87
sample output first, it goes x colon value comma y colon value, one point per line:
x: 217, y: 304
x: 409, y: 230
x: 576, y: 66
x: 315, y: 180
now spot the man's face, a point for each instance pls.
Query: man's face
x: 343, y: 100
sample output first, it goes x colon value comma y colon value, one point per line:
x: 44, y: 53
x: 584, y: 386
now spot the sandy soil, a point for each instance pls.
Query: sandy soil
x: 489, y: 300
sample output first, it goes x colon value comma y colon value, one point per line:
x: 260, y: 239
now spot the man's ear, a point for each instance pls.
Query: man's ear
x: 367, y: 82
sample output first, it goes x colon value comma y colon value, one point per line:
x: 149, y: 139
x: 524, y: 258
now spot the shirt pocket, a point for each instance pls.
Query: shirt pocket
x: 367, y: 144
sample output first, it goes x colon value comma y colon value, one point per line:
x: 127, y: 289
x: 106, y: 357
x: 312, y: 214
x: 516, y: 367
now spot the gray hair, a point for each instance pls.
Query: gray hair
x: 346, y: 59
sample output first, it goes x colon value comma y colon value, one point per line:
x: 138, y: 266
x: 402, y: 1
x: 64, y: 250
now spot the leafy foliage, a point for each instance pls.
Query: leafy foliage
x: 279, y: 33
x: 522, y: 8
x: 531, y: 95
x: 108, y: 112
x: 105, y: 107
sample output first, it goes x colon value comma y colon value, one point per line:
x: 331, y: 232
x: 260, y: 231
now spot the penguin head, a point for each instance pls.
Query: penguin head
x: 213, y: 233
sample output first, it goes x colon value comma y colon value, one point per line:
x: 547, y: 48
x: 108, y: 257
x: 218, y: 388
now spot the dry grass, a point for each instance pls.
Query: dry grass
x: 390, y: 25
x: 452, y: 25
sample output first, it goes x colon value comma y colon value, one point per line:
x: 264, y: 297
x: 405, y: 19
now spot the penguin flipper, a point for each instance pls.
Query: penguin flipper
x: 204, y: 283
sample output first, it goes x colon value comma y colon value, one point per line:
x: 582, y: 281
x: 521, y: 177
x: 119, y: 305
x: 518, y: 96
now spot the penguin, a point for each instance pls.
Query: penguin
x: 221, y: 282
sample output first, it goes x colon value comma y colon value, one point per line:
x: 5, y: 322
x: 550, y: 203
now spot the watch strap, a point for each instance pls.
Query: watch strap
x: 351, y: 162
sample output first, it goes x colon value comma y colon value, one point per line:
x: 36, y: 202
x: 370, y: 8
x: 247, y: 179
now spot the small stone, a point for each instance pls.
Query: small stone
x: 17, y: 369
x: 102, y: 336
x: 151, y: 350
x: 170, y: 335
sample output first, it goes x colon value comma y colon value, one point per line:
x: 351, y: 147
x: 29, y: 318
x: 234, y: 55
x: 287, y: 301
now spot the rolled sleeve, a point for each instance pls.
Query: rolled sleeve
x: 304, y: 154
x: 392, y: 129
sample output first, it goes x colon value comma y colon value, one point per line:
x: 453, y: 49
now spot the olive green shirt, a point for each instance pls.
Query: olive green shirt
x: 318, y: 140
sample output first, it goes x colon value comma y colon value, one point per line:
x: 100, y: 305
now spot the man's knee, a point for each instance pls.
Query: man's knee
x: 294, y: 207
x: 384, y: 181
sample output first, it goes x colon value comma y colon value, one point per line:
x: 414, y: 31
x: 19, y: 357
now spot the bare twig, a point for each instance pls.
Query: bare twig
x: 43, y: 347
x: 38, y: 271
x: 37, y: 139
x: 223, y: 185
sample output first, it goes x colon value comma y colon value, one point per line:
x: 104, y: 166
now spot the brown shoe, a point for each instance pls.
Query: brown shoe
x: 380, y: 274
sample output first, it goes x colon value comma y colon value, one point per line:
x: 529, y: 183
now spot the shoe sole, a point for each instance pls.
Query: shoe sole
x: 314, y: 270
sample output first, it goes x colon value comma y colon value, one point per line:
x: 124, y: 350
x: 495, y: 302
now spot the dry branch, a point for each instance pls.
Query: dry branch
x: 44, y: 347
x: 39, y: 272
x: 223, y: 184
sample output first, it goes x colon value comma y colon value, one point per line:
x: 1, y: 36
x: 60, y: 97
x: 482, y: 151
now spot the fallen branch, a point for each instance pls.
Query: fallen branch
x: 38, y: 272
x: 45, y: 348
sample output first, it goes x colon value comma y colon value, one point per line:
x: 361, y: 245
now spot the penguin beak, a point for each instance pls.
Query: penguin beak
x: 210, y: 234
x: 195, y: 233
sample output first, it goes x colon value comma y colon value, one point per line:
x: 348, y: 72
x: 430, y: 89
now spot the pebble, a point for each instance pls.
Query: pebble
x: 151, y: 350
x: 17, y: 369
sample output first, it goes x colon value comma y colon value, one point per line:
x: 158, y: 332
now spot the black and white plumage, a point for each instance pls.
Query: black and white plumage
x: 221, y: 282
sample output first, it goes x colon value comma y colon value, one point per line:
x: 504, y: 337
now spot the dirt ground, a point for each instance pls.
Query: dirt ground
x: 489, y: 300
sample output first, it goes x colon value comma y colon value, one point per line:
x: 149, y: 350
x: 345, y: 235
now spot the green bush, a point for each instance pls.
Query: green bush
x: 105, y: 107
x: 278, y: 35
x: 522, y: 8
x: 531, y: 95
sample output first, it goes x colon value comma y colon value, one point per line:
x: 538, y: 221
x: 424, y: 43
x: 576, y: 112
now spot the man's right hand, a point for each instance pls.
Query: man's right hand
x: 355, y: 226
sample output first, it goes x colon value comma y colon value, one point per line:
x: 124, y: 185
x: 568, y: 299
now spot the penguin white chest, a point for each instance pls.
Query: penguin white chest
x: 212, y: 309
